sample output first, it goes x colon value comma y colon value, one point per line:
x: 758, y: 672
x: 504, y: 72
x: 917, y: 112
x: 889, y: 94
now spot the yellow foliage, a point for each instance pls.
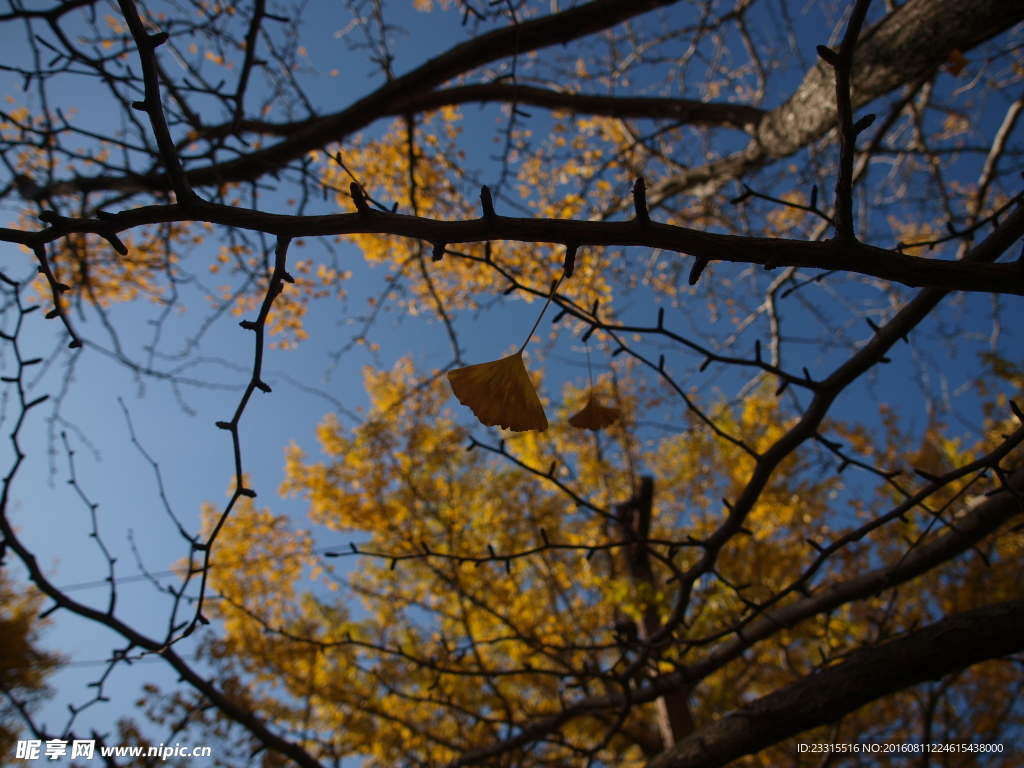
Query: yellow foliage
x: 498, y: 583
x: 784, y: 219
x: 381, y: 166
x: 405, y: 479
x: 23, y: 667
x: 911, y: 232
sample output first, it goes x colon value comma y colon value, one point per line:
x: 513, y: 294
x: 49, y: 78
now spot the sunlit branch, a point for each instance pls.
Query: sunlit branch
x: 909, y: 43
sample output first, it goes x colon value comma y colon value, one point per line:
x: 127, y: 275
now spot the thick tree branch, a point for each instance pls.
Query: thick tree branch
x: 868, y: 674
x: 908, y: 44
x: 918, y: 41
x: 825, y: 395
x: 965, y: 275
x: 634, y: 519
x: 983, y: 520
x: 686, y: 111
x: 558, y: 28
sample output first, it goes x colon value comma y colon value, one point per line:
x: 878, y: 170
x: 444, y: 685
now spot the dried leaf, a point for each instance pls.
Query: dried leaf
x: 956, y: 62
x: 595, y: 416
x: 500, y: 393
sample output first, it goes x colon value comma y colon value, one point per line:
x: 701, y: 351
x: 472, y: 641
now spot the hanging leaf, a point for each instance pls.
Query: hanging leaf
x: 500, y: 393
x: 595, y: 416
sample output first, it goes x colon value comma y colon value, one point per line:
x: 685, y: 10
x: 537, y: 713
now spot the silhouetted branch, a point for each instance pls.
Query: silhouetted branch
x: 829, y: 255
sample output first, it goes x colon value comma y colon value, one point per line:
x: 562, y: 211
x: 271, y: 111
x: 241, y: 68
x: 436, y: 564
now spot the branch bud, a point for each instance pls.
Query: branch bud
x: 697, y: 270
x: 863, y: 124
x: 570, y: 259
x: 640, y: 201
x: 358, y: 199
x: 828, y: 55
x: 487, y: 202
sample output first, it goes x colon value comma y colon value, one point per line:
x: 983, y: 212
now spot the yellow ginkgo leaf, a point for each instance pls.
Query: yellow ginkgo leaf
x: 595, y: 416
x: 500, y: 393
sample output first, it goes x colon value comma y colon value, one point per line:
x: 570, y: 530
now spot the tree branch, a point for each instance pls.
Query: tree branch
x: 557, y: 28
x: 686, y: 111
x: 908, y: 44
x: 964, y: 275
x: 842, y: 63
x: 152, y: 106
x: 233, y: 711
x: 976, y: 525
x: 868, y: 674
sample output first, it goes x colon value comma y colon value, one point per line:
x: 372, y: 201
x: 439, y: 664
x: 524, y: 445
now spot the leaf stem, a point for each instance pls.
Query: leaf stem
x: 554, y: 287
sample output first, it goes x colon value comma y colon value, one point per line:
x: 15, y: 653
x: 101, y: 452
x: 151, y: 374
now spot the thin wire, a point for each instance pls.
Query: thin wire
x: 554, y: 287
x: 163, y: 574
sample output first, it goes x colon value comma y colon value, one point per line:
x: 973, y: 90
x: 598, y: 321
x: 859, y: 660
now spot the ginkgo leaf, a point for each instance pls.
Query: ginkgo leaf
x: 500, y: 393
x: 595, y: 416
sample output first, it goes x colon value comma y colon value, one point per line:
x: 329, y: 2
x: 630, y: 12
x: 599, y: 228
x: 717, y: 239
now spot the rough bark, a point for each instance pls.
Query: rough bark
x: 908, y: 44
x: 868, y: 674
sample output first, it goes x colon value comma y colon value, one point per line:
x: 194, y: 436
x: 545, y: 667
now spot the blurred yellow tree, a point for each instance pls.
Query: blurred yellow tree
x: 24, y: 667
